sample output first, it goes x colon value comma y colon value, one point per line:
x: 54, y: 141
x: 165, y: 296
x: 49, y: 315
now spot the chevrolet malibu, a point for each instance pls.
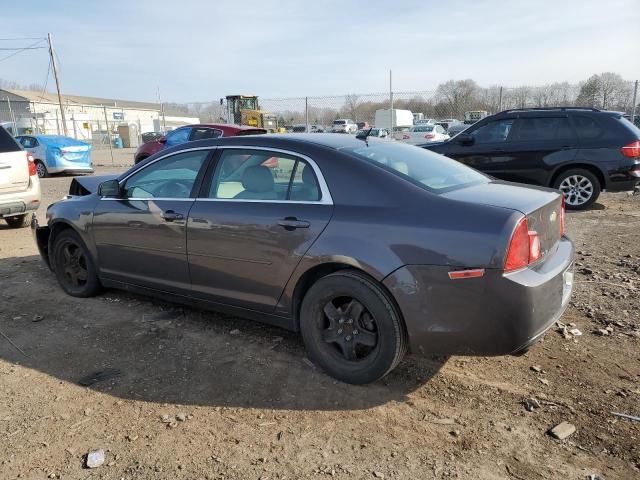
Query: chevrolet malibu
x: 368, y: 248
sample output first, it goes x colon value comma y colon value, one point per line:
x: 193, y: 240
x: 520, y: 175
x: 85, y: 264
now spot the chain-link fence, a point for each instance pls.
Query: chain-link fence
x: 450, y: 101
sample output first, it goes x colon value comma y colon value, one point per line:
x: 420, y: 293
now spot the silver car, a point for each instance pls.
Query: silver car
x: 19, y: 183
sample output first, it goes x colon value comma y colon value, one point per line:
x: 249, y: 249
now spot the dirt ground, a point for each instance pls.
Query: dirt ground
x: 197, y: 395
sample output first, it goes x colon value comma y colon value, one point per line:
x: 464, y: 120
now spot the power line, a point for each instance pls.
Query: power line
x: 22, y: 50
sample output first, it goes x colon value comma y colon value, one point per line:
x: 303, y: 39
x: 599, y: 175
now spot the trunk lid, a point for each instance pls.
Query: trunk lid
x: 14, y: 171
x: 540, y: 205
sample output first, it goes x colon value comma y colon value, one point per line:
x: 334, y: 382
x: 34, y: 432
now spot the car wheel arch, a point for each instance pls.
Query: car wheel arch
x: 315, y: 273
x: 585, y: 166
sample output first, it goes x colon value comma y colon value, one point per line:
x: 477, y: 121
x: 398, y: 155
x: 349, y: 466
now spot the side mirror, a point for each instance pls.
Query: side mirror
x: 465, y: 139
x: 109, y: 189
x: 162, y: 139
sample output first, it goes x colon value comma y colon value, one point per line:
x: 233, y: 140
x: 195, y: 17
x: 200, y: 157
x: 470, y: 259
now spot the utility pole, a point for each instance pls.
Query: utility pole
x: 390, y: 104
x: 635, y: 102
x: 55, y: 75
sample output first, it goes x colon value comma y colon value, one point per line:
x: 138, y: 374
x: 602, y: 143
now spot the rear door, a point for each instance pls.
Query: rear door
x: 539, y: 145
x: 255, y: 219
x: 14, y: 167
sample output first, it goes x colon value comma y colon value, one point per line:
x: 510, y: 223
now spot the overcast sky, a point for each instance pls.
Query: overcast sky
x: 200, y: 50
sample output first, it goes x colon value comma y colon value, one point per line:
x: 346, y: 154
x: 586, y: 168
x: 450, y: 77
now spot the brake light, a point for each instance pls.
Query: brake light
x: 632, y: 150
x: 429, y: 135
x: 32, y: 165
x: 562, y: 207
x: 406, y: 137
x: 524, y: 247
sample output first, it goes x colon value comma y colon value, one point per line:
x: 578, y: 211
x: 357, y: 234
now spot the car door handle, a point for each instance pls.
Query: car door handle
x: 291, y: 223
x: 170, y: 216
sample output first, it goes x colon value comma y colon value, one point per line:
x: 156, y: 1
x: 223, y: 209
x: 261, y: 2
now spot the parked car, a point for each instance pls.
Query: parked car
x: 343, y: 125
x: 372, y: 132
x: 19, y: 184
x: 57, y: 154
x: 150, y: 136
x: 420, y: 134
x: 287, y: 247
x: 190, y: 133
x: 426, y: 121
x: 580, y: 151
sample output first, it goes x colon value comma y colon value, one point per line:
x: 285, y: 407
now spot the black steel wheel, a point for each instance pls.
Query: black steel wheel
x: 73, y: 265
x: 351, y: 328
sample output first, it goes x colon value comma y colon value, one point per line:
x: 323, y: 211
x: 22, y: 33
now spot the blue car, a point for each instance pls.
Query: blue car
x: 57, y: 154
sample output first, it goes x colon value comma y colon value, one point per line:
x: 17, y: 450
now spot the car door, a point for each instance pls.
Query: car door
x: 488, y: 150
x: 539, y: 145
x: 255, y: 219
x: 141, y: 237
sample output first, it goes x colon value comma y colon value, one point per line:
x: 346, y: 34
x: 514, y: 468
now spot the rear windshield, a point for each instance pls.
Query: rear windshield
x: 257, y: 131
x: 423, y: 128
x: 339, y: 122
x: 431, y: 171
x: 7, y: 143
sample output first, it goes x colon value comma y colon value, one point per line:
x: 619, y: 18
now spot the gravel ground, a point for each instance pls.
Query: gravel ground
x: 191, y: 394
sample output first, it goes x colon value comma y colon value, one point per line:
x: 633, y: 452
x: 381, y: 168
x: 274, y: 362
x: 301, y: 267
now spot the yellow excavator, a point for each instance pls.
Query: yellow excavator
x: 245, y: 110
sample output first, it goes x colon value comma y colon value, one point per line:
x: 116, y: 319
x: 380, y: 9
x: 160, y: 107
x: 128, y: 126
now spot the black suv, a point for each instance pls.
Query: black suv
x: 580, y: 151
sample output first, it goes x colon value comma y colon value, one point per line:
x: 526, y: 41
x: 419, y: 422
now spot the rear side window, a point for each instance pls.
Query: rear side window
x: 431, y: 171
x: 204, y: 133
x: 543, y: 128
x: 7, y: 143
x: 587, y: 128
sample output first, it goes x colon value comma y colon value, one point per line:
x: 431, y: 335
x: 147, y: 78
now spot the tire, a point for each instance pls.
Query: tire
x: 41, y: 168
x: 73, y: 266
x: 580, y: 187
x: 18, y: 221
x: 354, y: 344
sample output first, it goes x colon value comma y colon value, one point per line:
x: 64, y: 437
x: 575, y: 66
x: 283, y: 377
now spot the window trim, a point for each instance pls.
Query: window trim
x: 325, y: 194
x: 189, y: 199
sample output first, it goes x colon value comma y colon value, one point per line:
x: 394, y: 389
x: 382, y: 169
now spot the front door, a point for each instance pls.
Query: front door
x: 258, y: 216
x: 141, y: 237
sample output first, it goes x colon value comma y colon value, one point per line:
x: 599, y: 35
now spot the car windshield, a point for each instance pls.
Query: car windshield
x: 431, y: 171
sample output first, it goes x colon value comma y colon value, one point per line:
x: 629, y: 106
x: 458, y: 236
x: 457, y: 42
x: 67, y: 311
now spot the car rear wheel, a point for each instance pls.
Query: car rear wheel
x: 18, y: 221
x: 41, y: 168
x: 74, y: 267
x: 580, y: 188
x: 351, y: 328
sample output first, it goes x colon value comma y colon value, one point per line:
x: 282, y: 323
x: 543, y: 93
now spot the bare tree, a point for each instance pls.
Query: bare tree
x: 459, y: 95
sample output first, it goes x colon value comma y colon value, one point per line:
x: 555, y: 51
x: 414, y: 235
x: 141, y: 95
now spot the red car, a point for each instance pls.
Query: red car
x: 190, y: 133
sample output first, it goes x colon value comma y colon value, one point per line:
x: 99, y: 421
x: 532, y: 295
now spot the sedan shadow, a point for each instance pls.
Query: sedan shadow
x: 135, y: 348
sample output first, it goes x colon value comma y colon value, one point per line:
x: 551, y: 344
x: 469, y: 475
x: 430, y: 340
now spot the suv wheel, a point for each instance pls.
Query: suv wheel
x: 580, y: 187
x: 73, y: 266
x: 18, y: 221
x: 351, y: 328
x: 41, y: 169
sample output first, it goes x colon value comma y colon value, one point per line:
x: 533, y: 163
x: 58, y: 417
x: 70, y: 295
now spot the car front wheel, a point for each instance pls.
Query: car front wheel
x: 73, y: 265
x: 351, y: 328
x: 580, y: 188
x: 41, y: 169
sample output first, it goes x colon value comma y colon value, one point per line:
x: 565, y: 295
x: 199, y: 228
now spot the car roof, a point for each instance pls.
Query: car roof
x: 222, y: 126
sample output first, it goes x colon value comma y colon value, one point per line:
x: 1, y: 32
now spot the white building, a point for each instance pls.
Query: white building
x: 87, y: 118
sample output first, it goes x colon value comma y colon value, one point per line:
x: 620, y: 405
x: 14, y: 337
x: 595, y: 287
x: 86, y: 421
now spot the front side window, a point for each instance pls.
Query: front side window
x: 263, y: 175
x: 178, y: 136
x: 202, y: 133
x: 543, y: 128
x: 171, y: 177
x: 493, y: 132
x: 431, y: 171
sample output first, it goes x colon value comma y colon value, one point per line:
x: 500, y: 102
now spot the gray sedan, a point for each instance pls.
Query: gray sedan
x: 368, y: 248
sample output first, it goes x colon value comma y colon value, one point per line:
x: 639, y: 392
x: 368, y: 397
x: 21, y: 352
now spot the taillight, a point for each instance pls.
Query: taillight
x: 406, y: 137
x: 524, y: 247
x: 632, y: 150
x: 32, y: 165
x: 429, y: 135
x: 562, y: 207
